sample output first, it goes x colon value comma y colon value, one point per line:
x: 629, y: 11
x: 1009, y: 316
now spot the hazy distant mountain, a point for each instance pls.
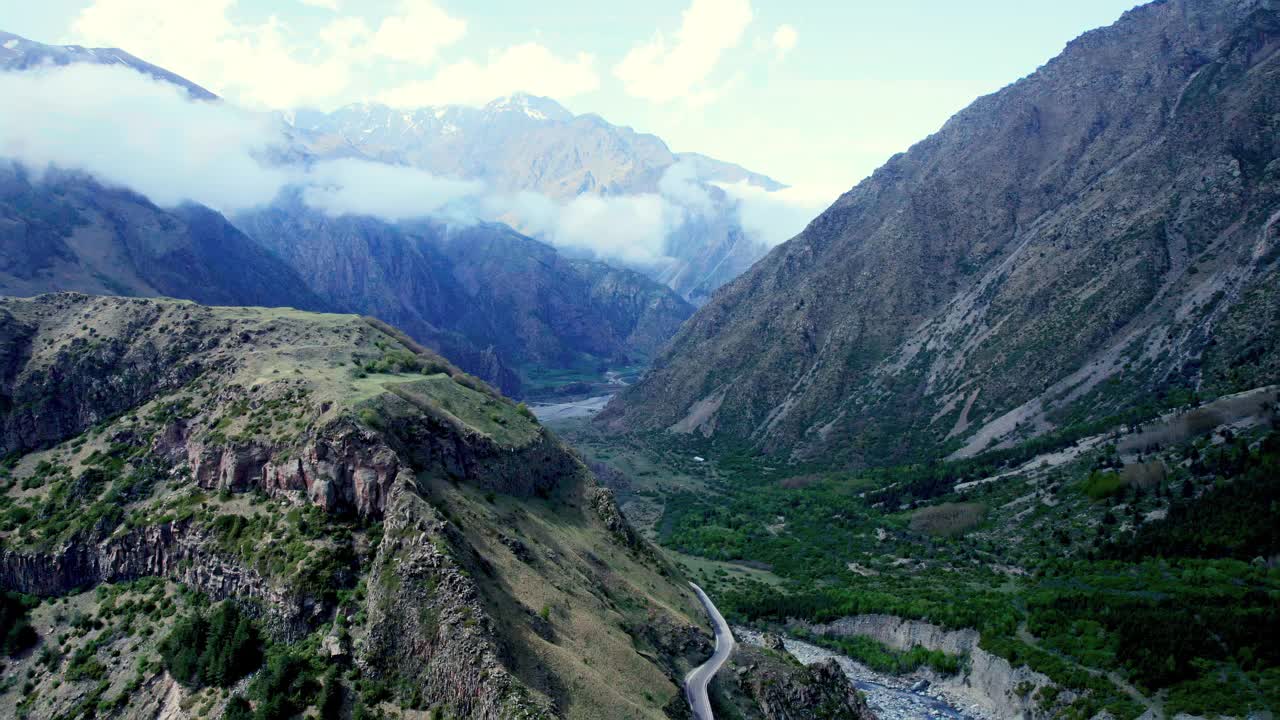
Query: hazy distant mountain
x: 1099, y: 236
x: 19, y: 53
x: 523, y: 142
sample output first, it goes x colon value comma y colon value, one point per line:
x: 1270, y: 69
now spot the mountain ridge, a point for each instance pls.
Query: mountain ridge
x: 928, y: 310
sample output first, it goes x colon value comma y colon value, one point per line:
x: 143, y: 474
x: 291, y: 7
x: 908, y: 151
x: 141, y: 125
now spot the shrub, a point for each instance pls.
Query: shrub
x: 16, y: 633
x: 216, y: 650
x: 1101, y: 485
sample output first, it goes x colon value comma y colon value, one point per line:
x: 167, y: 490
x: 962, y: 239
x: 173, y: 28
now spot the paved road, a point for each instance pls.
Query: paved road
x: 695, y: 683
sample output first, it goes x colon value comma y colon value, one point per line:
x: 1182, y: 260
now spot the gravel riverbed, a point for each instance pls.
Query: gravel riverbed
x: 910, y: 697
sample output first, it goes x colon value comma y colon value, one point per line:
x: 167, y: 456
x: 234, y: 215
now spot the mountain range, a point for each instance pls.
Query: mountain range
x: 494, y: 300
x: 1097, y: 240
x: 525, y: 143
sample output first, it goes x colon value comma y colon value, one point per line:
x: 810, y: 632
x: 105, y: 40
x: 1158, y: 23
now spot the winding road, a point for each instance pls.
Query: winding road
x: 695, y: 683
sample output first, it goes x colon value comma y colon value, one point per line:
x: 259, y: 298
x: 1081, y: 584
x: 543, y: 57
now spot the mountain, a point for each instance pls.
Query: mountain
x: 1097, y: 240
x: 19, y: 53
x: 482, y: 292
x: 248, y: 512
x: 529, y: 143
x: 65, y: 231
x: 520, y: 142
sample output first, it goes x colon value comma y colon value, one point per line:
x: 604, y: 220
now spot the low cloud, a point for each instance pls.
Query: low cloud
x: 391, y: 192
x: 775, y: 217
x: 129, y: 130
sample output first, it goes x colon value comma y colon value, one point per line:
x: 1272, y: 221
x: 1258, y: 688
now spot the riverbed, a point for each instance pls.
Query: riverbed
x: 891, y: 698
x: 569, y: 410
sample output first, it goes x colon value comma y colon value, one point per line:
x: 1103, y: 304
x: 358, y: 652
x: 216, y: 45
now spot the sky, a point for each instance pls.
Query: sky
x: 815, y: 93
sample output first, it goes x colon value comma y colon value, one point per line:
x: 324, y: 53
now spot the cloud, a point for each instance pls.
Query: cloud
x: 528, y: 67
x: 784, y: 41
x: 331, y: 5
x: 264, y: 64
x: 774, y: 217
x: 391, y: 192
x: 680, y: 184
x: 661, y: 73
x: 631, y: 228
x: 418, y: 33
x: 129, y: 130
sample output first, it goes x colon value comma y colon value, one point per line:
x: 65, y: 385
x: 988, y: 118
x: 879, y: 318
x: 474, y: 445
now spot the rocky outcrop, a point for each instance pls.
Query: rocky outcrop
x: 340, y: 467
x: 427, y: 625
x: 179, y: 551
x: 898, y: 633
x: 782, y: 689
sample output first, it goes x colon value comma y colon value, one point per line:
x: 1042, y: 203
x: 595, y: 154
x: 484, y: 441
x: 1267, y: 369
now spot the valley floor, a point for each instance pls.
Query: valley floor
x: 1132, y: 572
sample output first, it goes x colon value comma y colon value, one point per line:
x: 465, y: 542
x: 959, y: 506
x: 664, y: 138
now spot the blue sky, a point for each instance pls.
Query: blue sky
x: 816, y: 93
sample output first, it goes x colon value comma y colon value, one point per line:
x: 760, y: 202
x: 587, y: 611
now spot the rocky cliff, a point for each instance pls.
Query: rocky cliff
x: 359, y: 496
x: 1086, y: 240
x: 777, y: 687
x: 987, y: 680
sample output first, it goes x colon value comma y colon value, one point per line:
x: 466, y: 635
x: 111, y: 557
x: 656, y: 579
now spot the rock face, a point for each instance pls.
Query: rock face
x: 67, y: 232
x: 483, y: 293
x: 990, y: 680
x: 780, y: 688
x: 357, y: 494
x: 1093, y: 234
x: 178, y: 551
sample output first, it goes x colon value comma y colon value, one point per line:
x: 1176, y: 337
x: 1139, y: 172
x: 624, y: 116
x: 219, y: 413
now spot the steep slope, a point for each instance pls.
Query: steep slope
x: 19, y: 53
x: 528, y: 143
x: 1069, y: 248
x: 65, y: 231
x: 365, y: 504
x: 474, y: 289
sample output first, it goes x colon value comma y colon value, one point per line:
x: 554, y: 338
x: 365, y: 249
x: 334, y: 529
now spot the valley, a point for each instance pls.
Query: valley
x: 1026, y: 569
x: 352, y: 367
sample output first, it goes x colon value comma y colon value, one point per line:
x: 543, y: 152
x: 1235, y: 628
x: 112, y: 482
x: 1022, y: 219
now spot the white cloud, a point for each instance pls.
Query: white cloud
x: 528, y: 67
x: 196, y: 39
x: 654, y: 71
x: 391, y: 192
x: 784, y: 41
x: 679, y: 183
x: 774, y: 217
x: 130, y: 130
x: 331, y: 5
x: 127, y: 129
x: 418, y: 33
x: 632, y: 228
x: 264, y: 64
